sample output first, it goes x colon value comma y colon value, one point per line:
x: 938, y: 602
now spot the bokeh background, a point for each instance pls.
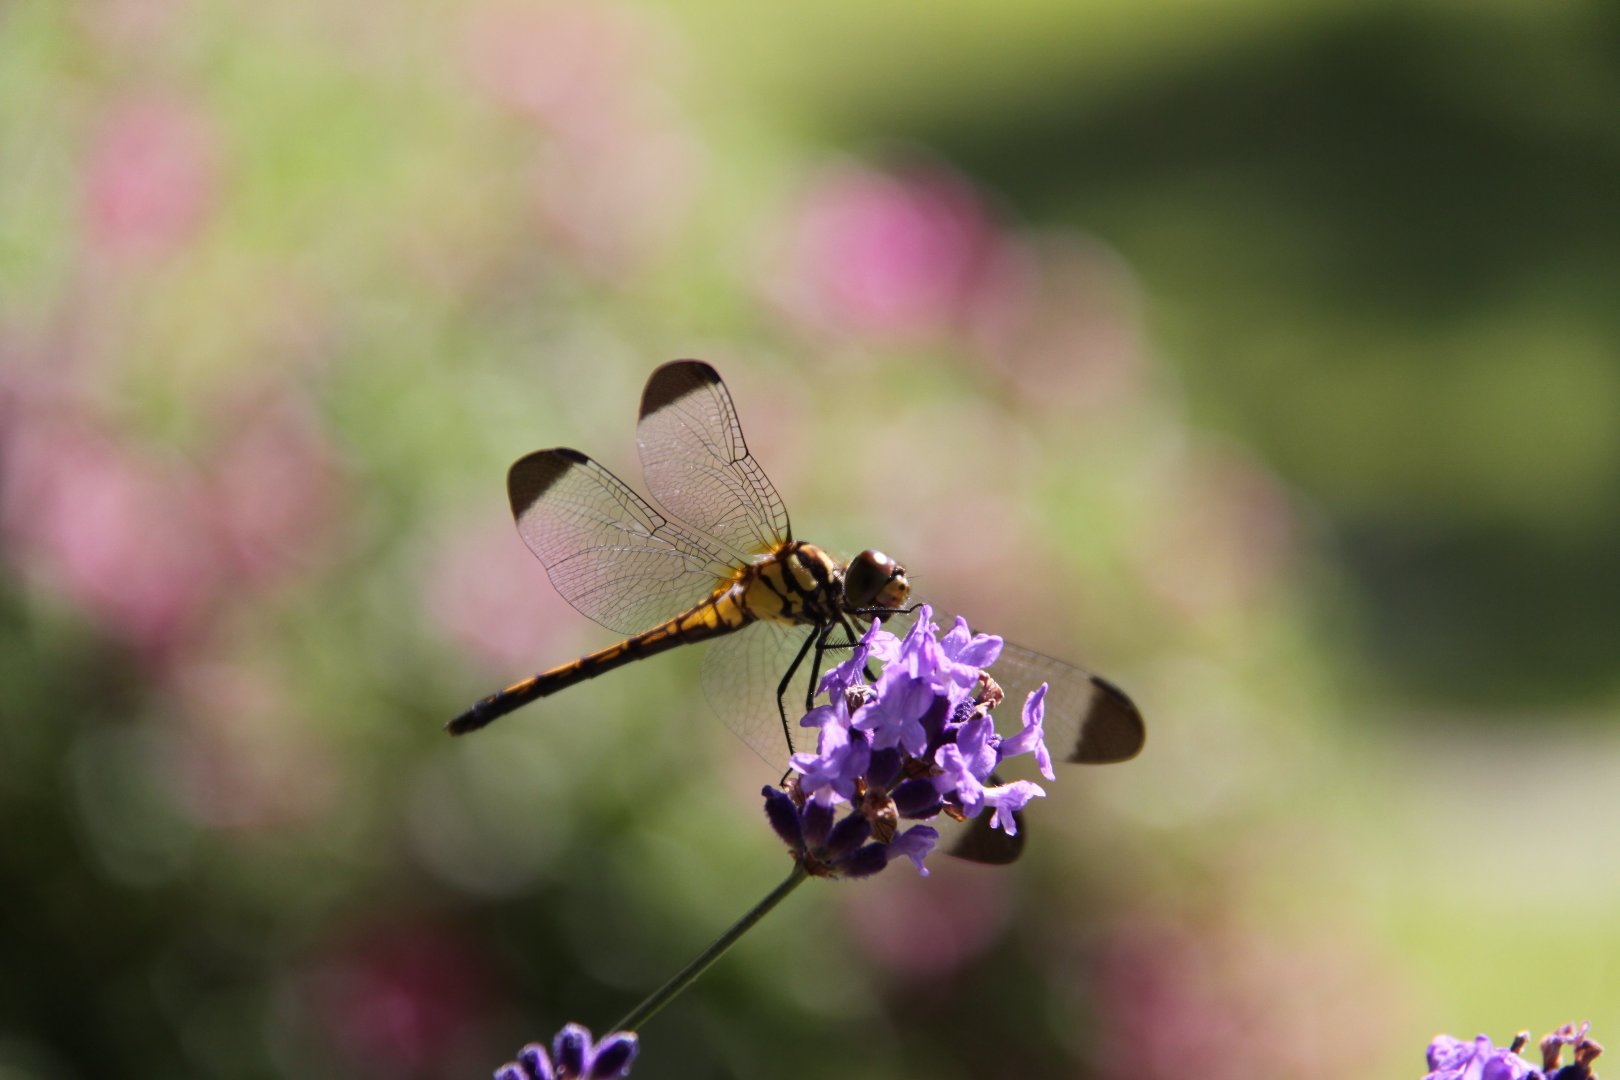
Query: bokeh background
x: 1263, y: 355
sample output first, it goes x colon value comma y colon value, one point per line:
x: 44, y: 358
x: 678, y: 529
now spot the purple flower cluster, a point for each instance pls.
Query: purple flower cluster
x: 574, y: 1057
x: 917, y: 742
x: 1453, y: 1059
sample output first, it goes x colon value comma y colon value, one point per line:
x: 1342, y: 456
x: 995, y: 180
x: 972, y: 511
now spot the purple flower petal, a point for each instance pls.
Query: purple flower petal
x: 571, y: 1050
x: 1032, y: 737
x: 914, y: 844
x: 894, y: 718
x: 1453, y: 1059
x: 614, y: 1056
x: 850, y: 832
x: 957, y: 779
x: 784, y: 817
x: 977, y: 740
x: 832, y: 778
x: 535, y: 1063
x: 1007, y: 798
x: 852, y: 672
x: 916, y: 798
x: 864, y: 861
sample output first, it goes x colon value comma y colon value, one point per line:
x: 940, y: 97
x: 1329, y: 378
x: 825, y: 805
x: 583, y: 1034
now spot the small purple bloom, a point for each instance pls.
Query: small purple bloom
x: 966, y: 655
x: 574, y: 1057
x: 914, y: 844
x: 1453, y: 1059
x: 921, y: 741
x: 837, y: 682
x: 823, y: 847
x: 895, y: 716
x: 832, y: 777
x: 1033, y: 735
x: 956, y: 778
x: 1005, y: 799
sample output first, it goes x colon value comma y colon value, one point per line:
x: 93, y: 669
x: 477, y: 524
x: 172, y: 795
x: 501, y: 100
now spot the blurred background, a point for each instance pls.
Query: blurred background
x: 1263, y: 356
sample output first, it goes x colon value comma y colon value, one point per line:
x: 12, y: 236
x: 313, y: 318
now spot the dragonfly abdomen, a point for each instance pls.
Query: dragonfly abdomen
x: 712, y: 618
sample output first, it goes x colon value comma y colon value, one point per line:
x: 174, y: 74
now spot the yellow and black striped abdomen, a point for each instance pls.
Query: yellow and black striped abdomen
x: 722, y: 614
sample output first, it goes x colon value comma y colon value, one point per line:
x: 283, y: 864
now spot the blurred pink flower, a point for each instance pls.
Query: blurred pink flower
x: 275, y: 488
x: 1223, y: 535
x: 897, y: 254
x: 1224, y: 1002
x: 398, y: 999
x: 119, y: 534
x: 129, y: 25
x: 615, y: 170
x: 151, y: 177
x: 918, y: 928
x: 571, y: 67
x: 242, y: 759
x: 615, y: 208
x: 490, y: 596
x: 1069, y: 334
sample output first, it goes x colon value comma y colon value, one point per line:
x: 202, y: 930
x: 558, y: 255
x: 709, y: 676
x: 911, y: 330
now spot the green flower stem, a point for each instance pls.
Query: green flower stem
x: 688, y: 974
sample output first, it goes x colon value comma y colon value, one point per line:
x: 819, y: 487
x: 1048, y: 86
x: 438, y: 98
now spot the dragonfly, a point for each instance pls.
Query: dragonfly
x: 717, y: 561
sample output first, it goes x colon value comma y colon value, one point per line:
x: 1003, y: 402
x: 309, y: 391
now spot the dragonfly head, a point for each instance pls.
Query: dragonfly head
x: 873, y: 580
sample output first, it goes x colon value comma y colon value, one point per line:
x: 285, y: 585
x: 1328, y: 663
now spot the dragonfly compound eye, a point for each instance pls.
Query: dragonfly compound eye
x: 874, y: 580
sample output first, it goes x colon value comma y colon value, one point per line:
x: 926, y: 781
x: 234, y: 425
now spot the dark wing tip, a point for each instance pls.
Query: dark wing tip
x: 1112, y: 730
x: 532, y: 475
x: 672, y: 381
x: 981, y: 843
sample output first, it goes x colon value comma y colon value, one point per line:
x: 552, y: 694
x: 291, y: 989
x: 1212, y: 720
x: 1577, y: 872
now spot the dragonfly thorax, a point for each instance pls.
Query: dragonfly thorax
x: 797, y: 583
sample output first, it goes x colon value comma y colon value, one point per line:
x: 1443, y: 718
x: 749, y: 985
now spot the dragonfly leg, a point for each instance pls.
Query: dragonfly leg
x: 782, y: 687
x: 815, y: 666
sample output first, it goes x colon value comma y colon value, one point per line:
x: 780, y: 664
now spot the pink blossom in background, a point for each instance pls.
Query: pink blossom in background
x: 1231, y: 1002
x: 1070, y: 334
x: 129, y: 25
x: 151, y: 177
x: 918, y: 928
x: 112, y: 529
x: 490, y: 596
x: 275, y: 488
x: 615, y: 169
x: 397, y: 1000
x: 615, y: 208
x: 893, y: 255
x: 242, y: 758
x: 569, y: 67
x: 1224, y: 534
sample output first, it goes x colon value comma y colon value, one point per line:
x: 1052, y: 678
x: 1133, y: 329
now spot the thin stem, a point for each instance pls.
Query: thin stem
x: 688, y: 974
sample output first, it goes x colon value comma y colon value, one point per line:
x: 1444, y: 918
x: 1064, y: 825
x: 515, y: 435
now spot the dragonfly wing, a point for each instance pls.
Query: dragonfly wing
x: 976, y: 840
x: 1089, y: 720
x: 698, y: 466
x: 608, y: 553
x: 742, y: 673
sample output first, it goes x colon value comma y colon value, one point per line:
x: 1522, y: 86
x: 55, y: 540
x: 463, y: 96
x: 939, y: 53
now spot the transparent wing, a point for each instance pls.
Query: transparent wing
x: 1089, y: 720
x: 741, y: 675
x: 697, y: 465
x: 608, y: 553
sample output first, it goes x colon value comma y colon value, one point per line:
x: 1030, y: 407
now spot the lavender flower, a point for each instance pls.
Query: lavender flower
x: 1453, y: 1059
x: 916, y: 742
x: 574, y: 1057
